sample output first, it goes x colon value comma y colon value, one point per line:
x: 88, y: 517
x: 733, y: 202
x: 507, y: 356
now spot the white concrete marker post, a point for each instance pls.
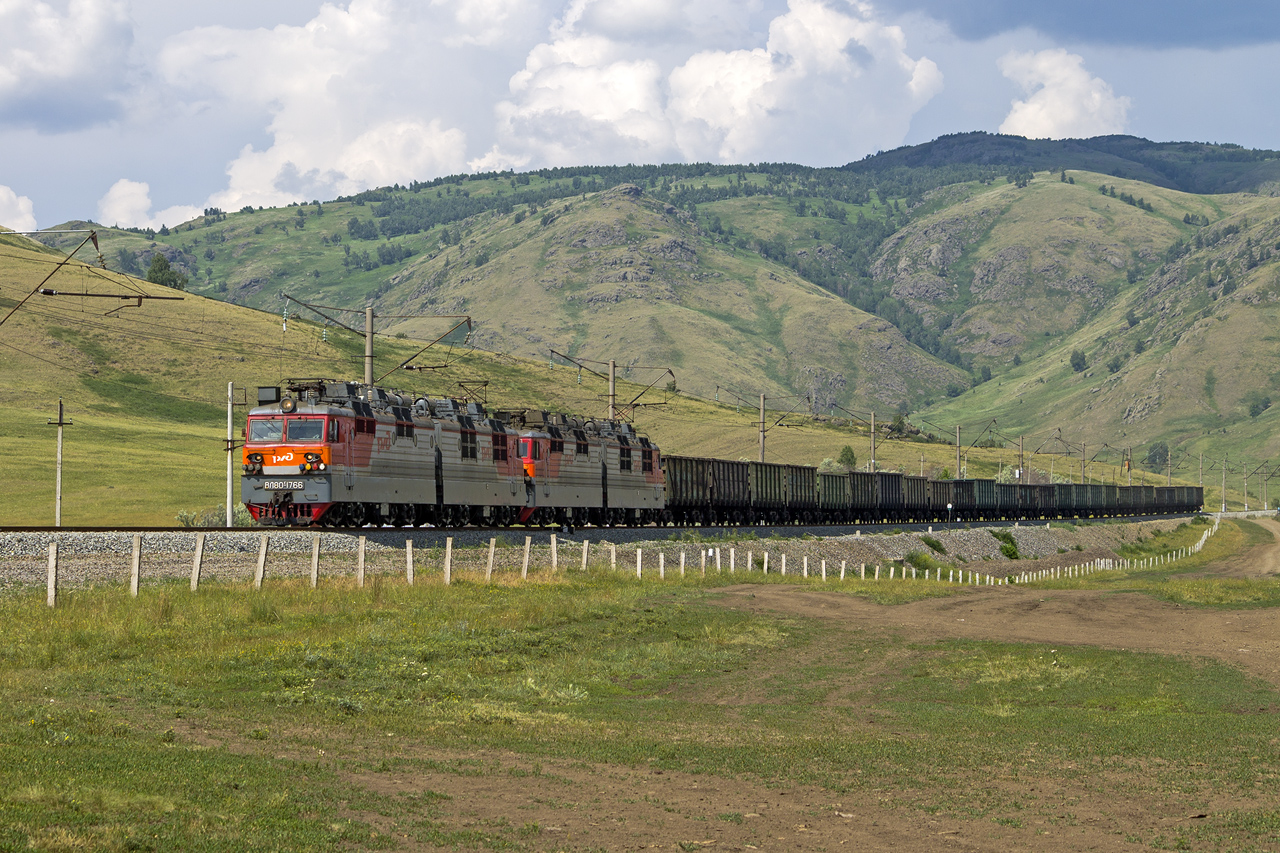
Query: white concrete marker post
x: 135, y: 568
x: 360, y: 546
x: 261, y: 571
x: 51, y: 584
x: 408, y: 561
x: 195, y: 564
x: 448, y: 560
x: 315, y: 560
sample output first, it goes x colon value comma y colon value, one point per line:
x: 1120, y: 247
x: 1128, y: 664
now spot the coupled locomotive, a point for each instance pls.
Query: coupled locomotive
x: 342, y: 454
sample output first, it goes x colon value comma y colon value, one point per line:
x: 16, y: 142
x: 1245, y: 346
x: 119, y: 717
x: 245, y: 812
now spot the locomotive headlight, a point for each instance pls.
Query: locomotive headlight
x: 255, y: 458
x: 312, y: 457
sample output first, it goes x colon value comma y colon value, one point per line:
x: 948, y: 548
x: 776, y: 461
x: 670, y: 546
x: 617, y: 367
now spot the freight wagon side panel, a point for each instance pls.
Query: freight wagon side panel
x: 915, y: 496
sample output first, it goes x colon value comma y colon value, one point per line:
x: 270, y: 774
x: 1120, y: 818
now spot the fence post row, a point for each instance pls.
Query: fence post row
x: 974, y: 578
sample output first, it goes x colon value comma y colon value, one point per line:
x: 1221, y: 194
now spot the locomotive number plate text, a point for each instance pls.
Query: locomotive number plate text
x: 282, y: 485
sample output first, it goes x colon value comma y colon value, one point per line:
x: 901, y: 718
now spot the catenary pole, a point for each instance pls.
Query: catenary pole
x: 231, y: 444
x: 57, y: 491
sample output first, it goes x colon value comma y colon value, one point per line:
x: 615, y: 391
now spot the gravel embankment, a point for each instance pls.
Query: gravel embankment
x: 92, y: 559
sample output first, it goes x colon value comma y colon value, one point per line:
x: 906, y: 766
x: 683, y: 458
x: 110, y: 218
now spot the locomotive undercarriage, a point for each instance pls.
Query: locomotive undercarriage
x: 351, y: 514
x: 283, y: 512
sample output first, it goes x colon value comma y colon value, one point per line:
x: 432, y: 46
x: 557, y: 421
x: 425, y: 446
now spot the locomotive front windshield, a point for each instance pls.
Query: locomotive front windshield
x: 298, y: 429
x: 306, y: 429
x: 266, y: 429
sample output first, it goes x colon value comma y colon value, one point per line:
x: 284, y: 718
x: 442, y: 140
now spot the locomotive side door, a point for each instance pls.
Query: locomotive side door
x: 346, y: 439
x: 439, y: 465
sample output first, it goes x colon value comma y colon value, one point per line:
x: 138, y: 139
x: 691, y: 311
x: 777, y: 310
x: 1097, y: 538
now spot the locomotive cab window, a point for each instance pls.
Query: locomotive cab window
x: 306, y: 429
x: 266, y: 429
x: 529, y: 448
x: 335, y: 431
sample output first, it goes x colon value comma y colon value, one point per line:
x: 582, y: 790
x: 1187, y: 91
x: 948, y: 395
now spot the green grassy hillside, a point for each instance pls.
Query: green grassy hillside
x: 1185, y: 353
x: 947, y: 283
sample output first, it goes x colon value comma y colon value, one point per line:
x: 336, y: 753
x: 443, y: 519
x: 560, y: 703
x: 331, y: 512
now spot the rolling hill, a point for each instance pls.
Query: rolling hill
x: 953, y: 282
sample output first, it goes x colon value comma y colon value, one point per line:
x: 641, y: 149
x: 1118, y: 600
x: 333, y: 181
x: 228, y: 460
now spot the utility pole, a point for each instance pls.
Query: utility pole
x: 921, y: 464
x: 57, y: 490
x: 1168, y: 468
x: 1082, y: 463
x: 1022, y: 461
x: 1224, y: 483
x: 613, y: 389
x: 873, y: 442
x: 368, y: 345
x: 1130, y: 465
x: 231, y: 445
x: 761, y: 427
x: 957, y: 474
x: 1202, y: 470
x: 1245, y: 471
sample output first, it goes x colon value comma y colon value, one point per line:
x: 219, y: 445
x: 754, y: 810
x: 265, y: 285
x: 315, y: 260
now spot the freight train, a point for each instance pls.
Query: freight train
x: 343, y: 454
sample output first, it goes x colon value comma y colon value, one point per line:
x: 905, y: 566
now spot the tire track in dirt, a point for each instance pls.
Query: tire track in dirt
x: 1249, y: 639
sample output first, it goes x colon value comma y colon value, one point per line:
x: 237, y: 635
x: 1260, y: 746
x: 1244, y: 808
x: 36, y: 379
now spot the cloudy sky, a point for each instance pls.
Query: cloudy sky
x: 143, y: 112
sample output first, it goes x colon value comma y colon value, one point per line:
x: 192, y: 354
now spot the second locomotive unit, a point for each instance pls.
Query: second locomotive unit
x: 341, y: 454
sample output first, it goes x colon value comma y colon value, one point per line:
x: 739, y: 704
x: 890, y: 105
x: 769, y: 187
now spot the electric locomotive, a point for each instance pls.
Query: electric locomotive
x: 346, y: 454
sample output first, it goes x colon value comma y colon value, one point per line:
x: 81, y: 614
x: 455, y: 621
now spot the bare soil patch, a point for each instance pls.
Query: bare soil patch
x: 569, y: 805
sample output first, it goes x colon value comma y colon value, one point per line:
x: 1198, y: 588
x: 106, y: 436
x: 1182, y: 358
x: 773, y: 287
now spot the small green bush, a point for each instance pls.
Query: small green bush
x: 934, y: 544
x: 1008, y: 546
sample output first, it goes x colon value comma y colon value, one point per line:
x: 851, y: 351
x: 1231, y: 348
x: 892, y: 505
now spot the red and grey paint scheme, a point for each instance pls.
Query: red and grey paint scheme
x: 345, y: 454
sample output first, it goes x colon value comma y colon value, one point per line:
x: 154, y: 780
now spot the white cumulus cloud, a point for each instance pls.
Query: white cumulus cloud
x: 339, y: 93
x: 63, y: 70
x: 16, y: 211
x: 128, y: 205
x: 830, y: 82
x: 1064, y: 99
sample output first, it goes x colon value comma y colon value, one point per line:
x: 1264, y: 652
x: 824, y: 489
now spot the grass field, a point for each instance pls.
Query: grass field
x: 233, y: 720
